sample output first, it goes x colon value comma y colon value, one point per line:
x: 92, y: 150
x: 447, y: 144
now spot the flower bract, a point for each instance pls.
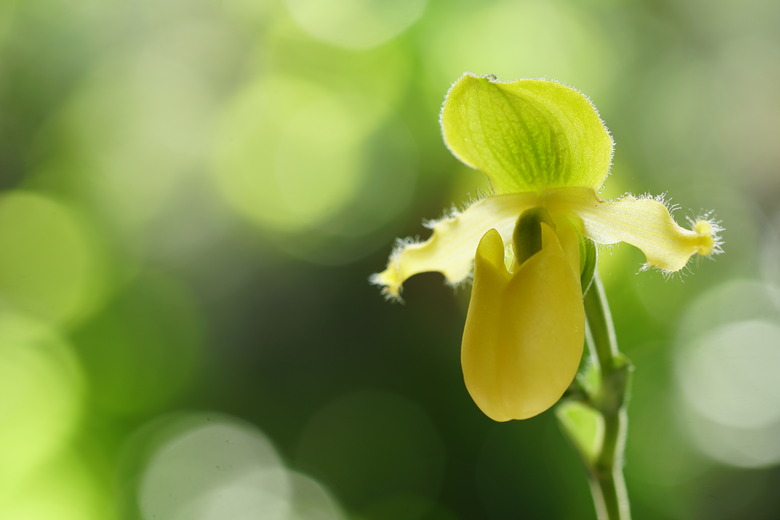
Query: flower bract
x: 546, y: 153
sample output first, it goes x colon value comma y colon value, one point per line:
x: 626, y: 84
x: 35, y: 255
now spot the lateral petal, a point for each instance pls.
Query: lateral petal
x: 524, y: 332
x: 453, y: 244
x: 644, y: 223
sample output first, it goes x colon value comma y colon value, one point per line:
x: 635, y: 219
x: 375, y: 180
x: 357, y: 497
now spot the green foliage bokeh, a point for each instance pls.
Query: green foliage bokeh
x: 193, y: 194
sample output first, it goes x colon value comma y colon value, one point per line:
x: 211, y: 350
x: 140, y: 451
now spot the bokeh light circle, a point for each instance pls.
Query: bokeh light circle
x: 65, y: 488
x: 312, y: 501
x: 212, y: 469
x: 729, y: 301
x: 726, y: 360
x: 729, y: 375
x: 43, y: 389
x: 286, y: 153
x: 139, y: 125
x: 385, y: 190
x: 529, y: 38
x: 355, y: 24
x: 49, y: 262
x: 313, y: 167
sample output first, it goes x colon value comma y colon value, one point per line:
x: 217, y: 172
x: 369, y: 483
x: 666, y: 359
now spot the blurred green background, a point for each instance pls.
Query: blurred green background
x: 193, y: 194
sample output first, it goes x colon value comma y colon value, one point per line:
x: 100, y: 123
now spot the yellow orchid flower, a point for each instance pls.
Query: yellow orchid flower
x: 546, y: 153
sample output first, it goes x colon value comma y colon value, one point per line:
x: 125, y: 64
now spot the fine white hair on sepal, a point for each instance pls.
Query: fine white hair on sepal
x: 388, y: 295
x: 375, y: 279
x: 402, y: 243
x: 663, y: 198
x: 390, y: 290
x: 473, y: 199
x: 454, y: 211
x: 450, y: 214
x: 607, y: 248
x: 665, y: 273
x: 461, y: 285
x: 482, y: 193
x: 492, y: 78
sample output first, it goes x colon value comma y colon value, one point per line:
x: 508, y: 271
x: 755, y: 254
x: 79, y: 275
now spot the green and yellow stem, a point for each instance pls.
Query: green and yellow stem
x: 606, y: 475
x: 605, y: 393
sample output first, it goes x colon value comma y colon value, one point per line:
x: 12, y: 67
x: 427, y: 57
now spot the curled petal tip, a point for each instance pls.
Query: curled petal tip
x: 645, y: 223
x: 708, y: 239
x: 389, y: 281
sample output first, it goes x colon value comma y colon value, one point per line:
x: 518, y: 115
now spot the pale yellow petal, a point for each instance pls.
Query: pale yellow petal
x: 524, y: 332
x: 642, y: 222
x: 453, y: 244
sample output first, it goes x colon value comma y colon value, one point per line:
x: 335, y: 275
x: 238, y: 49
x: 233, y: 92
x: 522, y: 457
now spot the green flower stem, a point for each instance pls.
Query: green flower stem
x: 605, y: 471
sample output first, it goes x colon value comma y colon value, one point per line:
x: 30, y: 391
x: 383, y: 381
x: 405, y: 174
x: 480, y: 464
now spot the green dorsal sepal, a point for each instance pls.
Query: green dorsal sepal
x: 526, y: 135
